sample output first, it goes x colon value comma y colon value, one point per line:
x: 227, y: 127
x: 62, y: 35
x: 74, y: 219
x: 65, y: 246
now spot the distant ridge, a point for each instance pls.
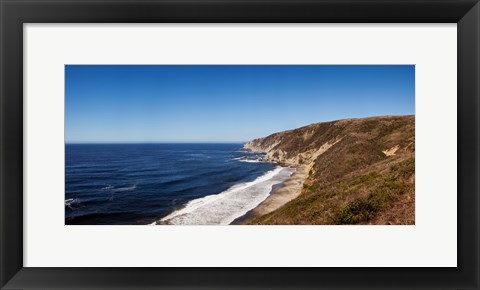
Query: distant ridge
x: 359, y: 171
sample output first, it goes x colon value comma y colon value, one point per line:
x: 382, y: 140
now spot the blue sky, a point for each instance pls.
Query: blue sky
x: 224, y: 103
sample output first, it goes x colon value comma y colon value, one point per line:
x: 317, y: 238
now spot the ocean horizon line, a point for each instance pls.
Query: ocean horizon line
x: 154, y: 142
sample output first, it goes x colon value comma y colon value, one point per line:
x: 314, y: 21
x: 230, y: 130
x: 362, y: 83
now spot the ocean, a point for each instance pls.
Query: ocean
x: 179, y: 184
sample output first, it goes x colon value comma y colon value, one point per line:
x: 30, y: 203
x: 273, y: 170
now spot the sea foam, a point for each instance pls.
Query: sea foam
x: 251, y: 160
x: 225, y: 207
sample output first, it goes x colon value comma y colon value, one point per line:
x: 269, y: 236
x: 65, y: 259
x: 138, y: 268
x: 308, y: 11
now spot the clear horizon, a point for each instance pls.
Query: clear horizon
x: 187, y: 142
x: 122, y: 104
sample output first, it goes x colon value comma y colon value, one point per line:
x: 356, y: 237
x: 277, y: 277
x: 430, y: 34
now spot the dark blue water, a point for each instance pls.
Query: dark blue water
x: 143, y: 183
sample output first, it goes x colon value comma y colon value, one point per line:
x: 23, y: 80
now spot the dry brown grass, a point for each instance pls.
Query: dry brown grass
x: 354, y: 181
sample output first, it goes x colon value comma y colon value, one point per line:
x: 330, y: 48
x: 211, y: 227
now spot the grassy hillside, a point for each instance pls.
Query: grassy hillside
x: 360, y: 171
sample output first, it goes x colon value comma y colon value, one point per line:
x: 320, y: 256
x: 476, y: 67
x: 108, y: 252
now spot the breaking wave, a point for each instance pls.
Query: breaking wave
x: 225, y: 207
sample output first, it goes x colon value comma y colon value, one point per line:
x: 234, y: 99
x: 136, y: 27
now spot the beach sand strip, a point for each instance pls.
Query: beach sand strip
x: 291, y: 189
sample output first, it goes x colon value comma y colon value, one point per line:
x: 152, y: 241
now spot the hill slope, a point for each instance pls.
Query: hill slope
x: 359, y: 171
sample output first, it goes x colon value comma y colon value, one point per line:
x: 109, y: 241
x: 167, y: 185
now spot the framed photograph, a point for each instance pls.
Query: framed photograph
x: 232, y: 144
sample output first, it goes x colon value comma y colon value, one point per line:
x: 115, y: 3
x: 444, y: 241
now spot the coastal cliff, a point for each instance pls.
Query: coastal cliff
x: 357, y: 171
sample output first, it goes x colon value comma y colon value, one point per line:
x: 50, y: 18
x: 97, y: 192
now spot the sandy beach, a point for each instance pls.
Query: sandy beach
x: 291, y: 188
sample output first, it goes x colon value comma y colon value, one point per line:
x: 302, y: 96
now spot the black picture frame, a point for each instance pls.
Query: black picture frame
x: 14, y: 13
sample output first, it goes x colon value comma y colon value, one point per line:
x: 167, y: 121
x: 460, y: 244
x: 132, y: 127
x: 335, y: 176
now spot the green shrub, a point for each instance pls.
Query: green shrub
x: 357, y: 211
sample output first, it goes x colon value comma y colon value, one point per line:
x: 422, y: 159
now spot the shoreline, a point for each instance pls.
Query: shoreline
x: 273, y: 185
x: 278, y: 195
x: 289, y: 189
